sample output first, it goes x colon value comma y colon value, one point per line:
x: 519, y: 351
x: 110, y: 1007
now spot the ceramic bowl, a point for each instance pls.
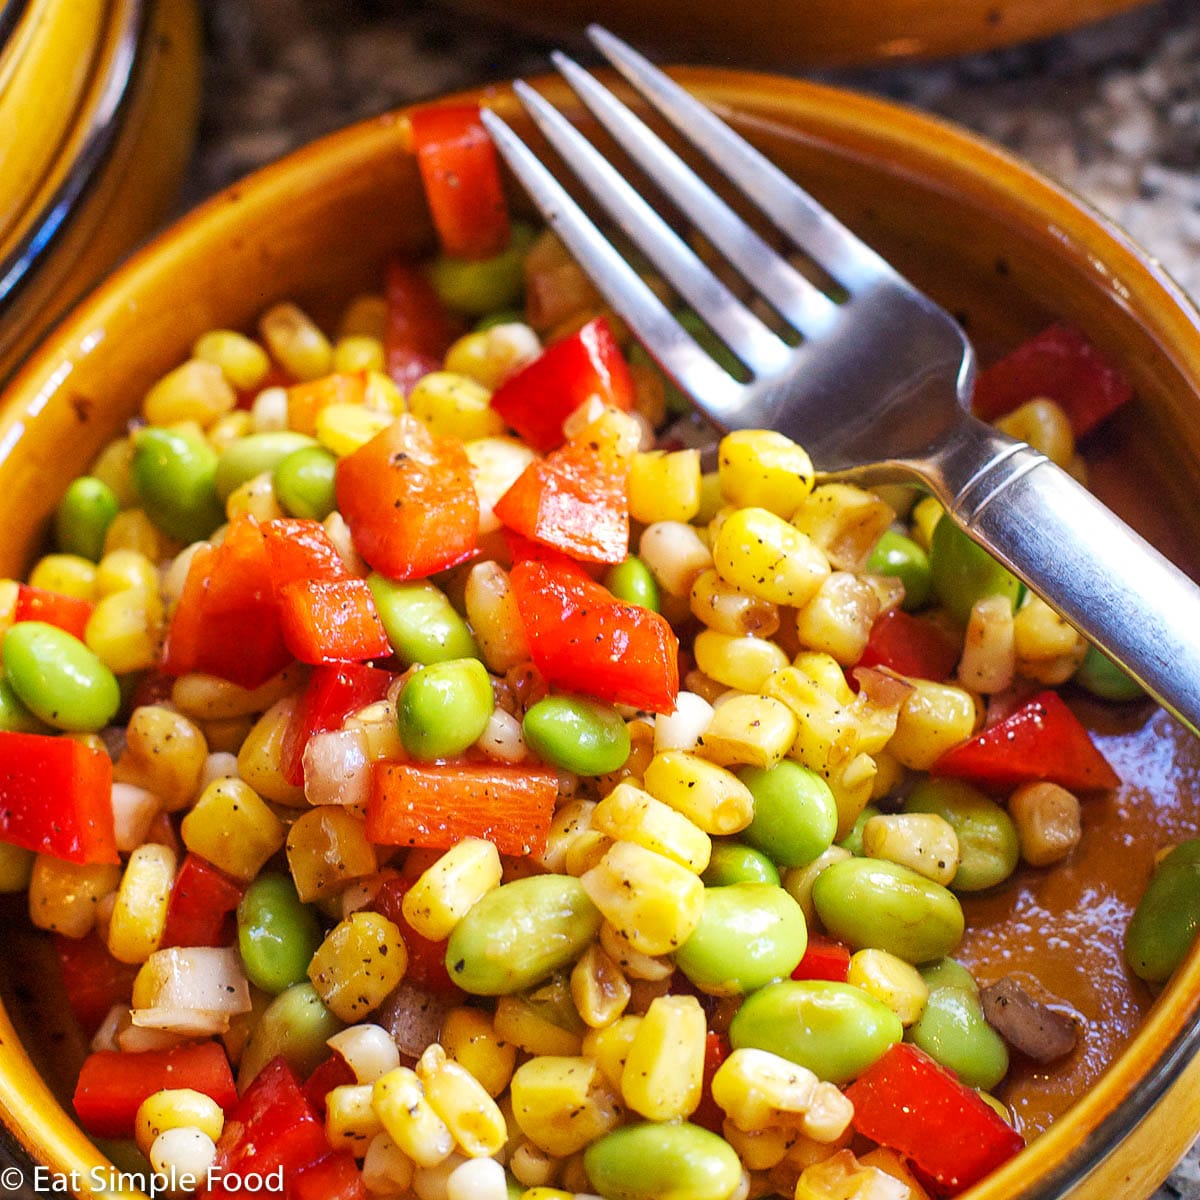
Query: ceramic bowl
x: 999, y: 246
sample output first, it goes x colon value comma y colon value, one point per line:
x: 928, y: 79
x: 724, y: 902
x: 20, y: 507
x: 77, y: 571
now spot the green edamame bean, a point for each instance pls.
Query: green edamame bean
x: 277, y: 935
x: 295, y: 1024
x: 305, y: 483
x: 478, y: 286
x: 833, y: 1029
x: 733, y: 862
x: 1168, y: 915
x: 853, y: 841
x: 577, y: 734
x: 58, y: 678
x: 900, y: 556
x: 987, y: 838
x: 795, y: 814
x: 632, y: 582
x: 963, y: 572
x: 1102, y: 677
x: 14, y: 716
x: 873, y: 903
x: 653, y: 1160
x: 521, y: 933
x: 444, y: 708
x: 504, y: 316
x: 749, y: 935
x: 252, y: 455
x: 948, y: 972
x: 420, y: 622
x: 83, y: 516
x: 174, y: 474
x: 954, y: 1032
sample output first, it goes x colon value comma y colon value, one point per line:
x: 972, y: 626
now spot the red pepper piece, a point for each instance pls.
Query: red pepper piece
x: 584, y: 639
x: 1043, y: 739
x: 56, y: 797
x: 330, y: 622
x: 306, y: 400
x: 39, y: 604
x: 1062, y: 365
x: 537, y: 399
x: 333, y: 1072
x: 93, y: 980
x: 905, y: 1101
x: 419, y: 330
x: 439, y: 804
x: 426, y: 957
x: 709, y: 1114
x: 202, y: 897
x: 823, y: 959
x: 299, y: 549
x: 912, y: 646
x: 334, y: 1177
x: 461, y: 175
x: 112, y: 1084
x: 409, y: 501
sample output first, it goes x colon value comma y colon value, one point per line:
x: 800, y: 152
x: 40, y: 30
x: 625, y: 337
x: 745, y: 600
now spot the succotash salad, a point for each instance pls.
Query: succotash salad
x: 437, y: 784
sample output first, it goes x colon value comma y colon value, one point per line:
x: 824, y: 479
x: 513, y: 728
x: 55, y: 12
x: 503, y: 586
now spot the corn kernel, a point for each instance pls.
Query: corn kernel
x: 365, y: 316
x: 843, y: 1177
x: 381, y: 395
x: 712, y: 798
x: 176, y: 1108
x: 633, y: 963
x: 16, y: 868
x: 196, y: 391
x: 682, y: 729
x: 837, y: 619
x: 892, y: 981
x: 562, y: 1104
x: 1048, y: 648
x: 350, y: 1119
x: 760, y: 553
x: 935, y: 717
x: 241, y: 359
x: 409, y: 1120
x: 721, y: 606
x: 233, y: 828
x: 923, y: 842
x: 585, y: 852
x: 207, y: 698
x: 368, y: 1050
x: 123, y: 631
x: 464, y: 1105
x: 798, y: 881
x: 1047, y: 820
x: 261, y: 756
x: 295, y: 342
x: 742, y: 663
x: 675, y: 555
x: 114, y: 467
x: 845, y: 522
x: 63, y: 896
x: 752, y: 730
x: 633, y: 815
x: 532, y: 1166
x: 664, y: 486
x: 664, y: 1068
x: 759, y: 468
x: 360, y: 961
x: 344, y: 428
x: 572, y: 818
x: 1045, y: 426
x: 989, y: 648
x: 254, y: 498
x: 449, y: 889
x: 609, y: 1047
x: 496, y: 464
x: 489, y: 356
x: 454, y: 406
x: 357, y: 352
x: 469, y: 1037
x: 140, y: 912
x: 125, y: 569
x: 67, y: 574
x: 529, y: 1028
x: 186, y: 1151
x: 477, y: 1179
x: 924, y: 517
x: 164, y: 753
x: 326, y: 849
x: 269, y: 412
x: 891, y: 1163
x: 599, y: 989
x: 763, y: 1148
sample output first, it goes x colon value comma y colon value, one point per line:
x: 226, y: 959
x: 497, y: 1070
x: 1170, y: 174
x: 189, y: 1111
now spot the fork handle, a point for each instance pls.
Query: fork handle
x: 1052, y: 533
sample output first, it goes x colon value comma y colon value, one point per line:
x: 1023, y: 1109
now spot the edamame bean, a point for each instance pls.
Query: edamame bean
x: 1102, y: 677
x: 520, y: 933
x: 174, y: 474
x: 1168, y: 915
x: 652, y: 1160
x: 833, y: 1029
x: 58, y: 678
x: 632, y: 582
x: 420, y: 622
x: 853, y: 841
x: 295, y: 1024
x: 987, y: 838
x: 444, y: 708
x: 948, y: 972
x: 900, y: 556
x: 277, y: 935
x: 504, y: 316
x: 577, y: 734
x: 252, y: 455
x: 14, y: 716
x: 305, y: 483
x: 963, y: 572
x: 872, y: 903
x: 954, y: 1032
x: 83, y: 516
x: 733, y: 862
x: 795, y: 815
x: 478, y: 286
x: 749, y: 935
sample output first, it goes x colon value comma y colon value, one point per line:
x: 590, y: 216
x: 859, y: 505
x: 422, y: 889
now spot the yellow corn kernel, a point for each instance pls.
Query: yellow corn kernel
x: 633, y: 963
x: 675, y: 555
x: 233, y: 828
x: 989, y: 656
x: 365, y: 316
x: 63, y: 896
x: 762, y: 554
x: 1047, y: 820
x: 131, y: 529
x: 358, y: 352
x: 114, y: 466
x: 935, y: 717
x: 664, y: 1068
x: 176, y: 1108
x: 242, y: 361
x: 891, y: 1163
x: 712, y: 798
x: 464, y: 1105
x: 367, y: 1049
x: 207, y: 698
x: 196, y: 391
x: 254, y: 498
x: 837, y: 619
x: 925, y: 515
x: 532, y: 1166
x: 350, y: 1118
x: 295, y: 342
x: 496, y: 463
x: 381, y: 395
x: 140, y: 912
x: 664, y: 486
x: 759, y: 1089
x: 654, y: 901
x: 892, y: 981
x: 586, y: 851
x: 344, y: 428
x: 528, y: 1028
x: 1045, y: 426
x: 449, y: 889
x: 562, y: 1104
x: 630, y: 814
x: 682, y: 729
x: 494, y: 618
x: 260, y: 758
x: 164, y: 753
x: 409, y: 1120
x: 67, y: 574
x: 722, y: 607
x: 124, y: 570
x: 9, y: 593
x: 798, y: 881
x: 742, y: 663
x: 923, y: 842
x: 762, y: 1149
x: 453, y: 405
x: 123, y: 631
x: 489, y: 356
x: 889, y: 775
x: 469, y: 1037
x: 386, y: 1169
x: 749, y: 730
x: 843, y: 1177
x: 759, y: 468
x: 599, y: 989
x: 327, y: 848
x: 361, y: 959
x: 609, y: 1047
x: 572, y: 818
x: 845, y: 522
x: 16, y: 868
x: 230, y: 428
x: 541, y: 1192
x: 1048, y: 648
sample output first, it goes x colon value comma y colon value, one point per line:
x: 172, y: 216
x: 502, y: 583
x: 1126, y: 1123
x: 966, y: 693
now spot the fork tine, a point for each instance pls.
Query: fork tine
x: 792, y: 210
x: 795, y: 298
x: 756, y: 345
x: 653, y: 323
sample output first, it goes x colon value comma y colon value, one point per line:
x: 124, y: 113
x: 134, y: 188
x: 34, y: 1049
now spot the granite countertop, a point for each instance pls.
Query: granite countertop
x: 1112, y: 112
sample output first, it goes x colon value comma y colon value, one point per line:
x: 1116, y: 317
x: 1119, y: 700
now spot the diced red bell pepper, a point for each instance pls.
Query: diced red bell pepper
x: 39, y: 604
x: 331, y: 622
x: 912, y: 646
x: 1059, y: 364
x: 709, y: 1114
x: 824, y: 959
x: 461, y: 175
x: 333, y: 1072
x: 426, y: 958
x: 905, y: 1101
x: 1043, y: 739
x: 300, y: 549
x: 419, y: 329
x: 538, y: 398
x: 439, y: 804
x: 409, y: 501
x: 583, y: 639
x: 202, y: 897
x: 334, y: 1177
x: 92, y: 979
x: 56, y: 797
x: 112, y: 1084
x: 306, y: 400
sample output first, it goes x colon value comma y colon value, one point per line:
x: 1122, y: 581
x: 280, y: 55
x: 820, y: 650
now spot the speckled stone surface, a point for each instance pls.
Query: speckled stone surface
x: 1112, y: 111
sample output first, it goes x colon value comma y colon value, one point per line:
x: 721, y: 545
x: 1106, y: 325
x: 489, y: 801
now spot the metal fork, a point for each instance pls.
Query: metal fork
x: 878, y: 388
